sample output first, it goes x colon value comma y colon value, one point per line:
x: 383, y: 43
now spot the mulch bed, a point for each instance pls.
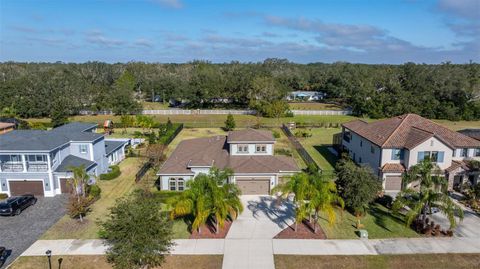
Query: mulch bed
x: 208, y: 231
x: 304, y: 231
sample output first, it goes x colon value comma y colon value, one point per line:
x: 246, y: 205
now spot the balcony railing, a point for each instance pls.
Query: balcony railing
x: 12, y: 167
x: 37, y: 167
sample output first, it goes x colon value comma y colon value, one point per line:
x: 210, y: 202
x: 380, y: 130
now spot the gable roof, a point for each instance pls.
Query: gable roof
x: 111, y: 146
x: 74, y: 161
x: 250, y: 135
x: 408, y: 131
x: 473, y: 133
x: 76, y: 127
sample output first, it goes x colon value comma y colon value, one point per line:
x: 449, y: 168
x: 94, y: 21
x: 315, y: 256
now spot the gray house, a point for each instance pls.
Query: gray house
x: 39, y: 162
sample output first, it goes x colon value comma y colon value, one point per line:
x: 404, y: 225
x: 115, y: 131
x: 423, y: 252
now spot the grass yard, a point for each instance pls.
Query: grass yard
x: 379, y: 223
x: 424, y: 261
x: 317, y: 146
x: 100, y: 262
x: 283, y: 143
x: 67, y: 228
x: 313, y: 106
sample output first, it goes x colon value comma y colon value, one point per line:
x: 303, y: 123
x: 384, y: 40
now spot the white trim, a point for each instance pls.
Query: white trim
x: 243, y: 142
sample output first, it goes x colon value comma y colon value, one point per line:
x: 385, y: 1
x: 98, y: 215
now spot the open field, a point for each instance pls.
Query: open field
x: 154, y: 105
x: 313, y: 106
x: 100, y: 262
x: 379, y: 222
x: 424, y: 261
x: 67, y: 228
x: 317, y: 146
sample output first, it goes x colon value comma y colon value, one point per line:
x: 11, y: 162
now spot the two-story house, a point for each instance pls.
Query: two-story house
x: 249, y: 153
x: 40, y: 162
x: 392, y: 146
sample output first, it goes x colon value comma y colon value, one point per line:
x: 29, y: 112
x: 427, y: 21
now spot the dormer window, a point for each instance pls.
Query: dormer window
x: 242, y: 148
x: 83, y: 148
x: 261, y: 148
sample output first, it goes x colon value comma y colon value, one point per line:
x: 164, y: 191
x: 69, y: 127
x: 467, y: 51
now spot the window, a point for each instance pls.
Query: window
x: 15, y: 158
x: 176, y: 184
x: 372, y: 149
x: 37, y: 158
x: 360, y: 160
x: 242, y: 148
x: 397, y: 154
x: 463, y: 152
x: 434, y: 156
x: 260, y: 148
x: 83, y: 148
x: 180, y: 184
x: 172, y: 184
x: 477, y: 152
x: 361, y: 143
x: 347, y: 136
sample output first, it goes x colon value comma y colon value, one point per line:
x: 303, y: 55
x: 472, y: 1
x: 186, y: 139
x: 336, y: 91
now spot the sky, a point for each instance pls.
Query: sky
x: 166, y: 31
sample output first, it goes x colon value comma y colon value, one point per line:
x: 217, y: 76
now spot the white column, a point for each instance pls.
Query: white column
x: 24, y: 162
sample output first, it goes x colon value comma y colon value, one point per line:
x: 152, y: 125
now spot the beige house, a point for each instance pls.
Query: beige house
x: 392, y: 146
x: 249, y: 153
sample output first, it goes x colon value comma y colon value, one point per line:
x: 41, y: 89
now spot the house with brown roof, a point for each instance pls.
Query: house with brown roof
x: 6, y: 127
x: 392, y: 146
x: 249, y: 153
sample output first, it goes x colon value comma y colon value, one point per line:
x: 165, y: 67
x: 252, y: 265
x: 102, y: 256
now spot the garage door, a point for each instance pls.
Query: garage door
x: 393, y: 183
x: 26, y: 187
x: 254, y: 186
x: 66, y: 186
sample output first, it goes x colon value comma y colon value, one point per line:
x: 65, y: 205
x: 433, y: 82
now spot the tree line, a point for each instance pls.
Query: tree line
x: 443, y: 91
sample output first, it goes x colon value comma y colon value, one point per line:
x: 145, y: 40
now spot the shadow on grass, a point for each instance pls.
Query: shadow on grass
x: 329, y: 156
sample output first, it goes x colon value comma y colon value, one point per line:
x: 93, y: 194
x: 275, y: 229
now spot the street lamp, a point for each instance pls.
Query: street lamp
x: 49, y: 256
x: 60, y: 260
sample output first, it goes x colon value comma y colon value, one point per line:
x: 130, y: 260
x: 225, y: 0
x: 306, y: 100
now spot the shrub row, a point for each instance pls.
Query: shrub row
x: 112, y: 174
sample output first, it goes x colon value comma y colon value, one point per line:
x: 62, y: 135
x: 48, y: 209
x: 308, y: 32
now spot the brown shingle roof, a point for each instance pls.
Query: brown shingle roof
x: 5, y: 125
x: 250, y: 135
x: 457, y: 164
x: 213, y: 151
x: 393, y: 168
x: 473, y: 133
x: 407, y: 131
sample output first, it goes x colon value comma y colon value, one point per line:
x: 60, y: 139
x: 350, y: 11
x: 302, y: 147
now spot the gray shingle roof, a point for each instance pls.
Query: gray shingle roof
x: 74, y: 161
x: 111, y: 146
x: 38, y: 140
x: 73, y: 127
x: 250, y: 135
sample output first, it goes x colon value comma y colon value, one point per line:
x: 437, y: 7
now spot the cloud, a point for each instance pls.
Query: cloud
x: 234, y: 41
x: 142, y: 42
x: 270, y: 34
x: 468, y: 9
x: 24, y: 29
x: 97, y: 37
x: 176, y: 4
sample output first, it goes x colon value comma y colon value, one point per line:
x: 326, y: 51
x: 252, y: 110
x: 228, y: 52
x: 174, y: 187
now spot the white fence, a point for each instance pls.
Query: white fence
x: 223, y: 112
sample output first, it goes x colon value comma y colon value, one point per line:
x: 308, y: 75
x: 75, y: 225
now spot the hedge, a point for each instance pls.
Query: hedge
x: 112, y: 174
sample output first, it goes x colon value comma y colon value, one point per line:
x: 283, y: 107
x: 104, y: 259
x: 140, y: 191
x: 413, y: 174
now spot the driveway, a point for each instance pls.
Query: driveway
x: 469, y: 227
x: 17, y: 233
x: 248, y: 243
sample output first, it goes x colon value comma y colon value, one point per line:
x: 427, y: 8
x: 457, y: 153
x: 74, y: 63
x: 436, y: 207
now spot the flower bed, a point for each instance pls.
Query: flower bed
x: 208, y: 231
x: 304, y: 231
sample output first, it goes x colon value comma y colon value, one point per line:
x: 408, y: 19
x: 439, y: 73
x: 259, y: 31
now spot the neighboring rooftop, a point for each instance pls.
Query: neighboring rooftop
x: 473, y: 133
x: 74, y: 161
x: 111, y: 146
x: 74, y: 127
x: 408, y: 131
x: 250, y: 135
x: 39, y: 140
x: 6, y: 125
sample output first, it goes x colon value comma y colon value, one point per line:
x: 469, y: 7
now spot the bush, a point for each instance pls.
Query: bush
x: 285, y: 152
x: 385, y: 200
x: 79, y: 206
x: 112, y: 174
x: 304, y: 134
x: 3, y: 196
x: 94, y: 191
x: 289, y: 114
x: 276, y: 134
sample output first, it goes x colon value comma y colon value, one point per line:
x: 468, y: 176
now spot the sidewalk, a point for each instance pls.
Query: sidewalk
x: 278, y: 246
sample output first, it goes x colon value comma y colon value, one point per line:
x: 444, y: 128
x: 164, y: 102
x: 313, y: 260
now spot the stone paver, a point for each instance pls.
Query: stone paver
x: 17, y: 233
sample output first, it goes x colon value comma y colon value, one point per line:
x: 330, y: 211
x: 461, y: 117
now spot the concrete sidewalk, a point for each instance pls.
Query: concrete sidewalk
x: 278, y: 246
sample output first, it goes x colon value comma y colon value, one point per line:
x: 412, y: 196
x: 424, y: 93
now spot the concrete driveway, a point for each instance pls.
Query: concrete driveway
x: 17, y: 233
x: 469, y: 227
x: 248, y: 244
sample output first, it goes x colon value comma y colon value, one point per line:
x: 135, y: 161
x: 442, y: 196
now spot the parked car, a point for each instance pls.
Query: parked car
x: 15, y: 205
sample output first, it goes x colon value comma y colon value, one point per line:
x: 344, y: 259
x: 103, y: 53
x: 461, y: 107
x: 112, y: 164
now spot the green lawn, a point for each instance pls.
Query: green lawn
x: 317, y: 146
x: 313, y: 106
x: 67, y: 228
x: 424, y: 261
x: 379, y: 222
x: 154, y: 105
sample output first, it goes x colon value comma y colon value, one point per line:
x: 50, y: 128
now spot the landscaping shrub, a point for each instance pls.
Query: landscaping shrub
x: 112, y: 174
x: 285, y: 152
x: 385, y: 200
x: 3, y: 196
x: 276, y: 134
x: 302, y: 133
x: 78, y: 206
x: 94, y: 191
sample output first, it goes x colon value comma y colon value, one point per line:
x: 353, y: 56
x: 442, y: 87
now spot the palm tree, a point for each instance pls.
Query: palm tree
x: 226, y: 204
x: 79, y: 184
x: 323, y: 197
x: 430, y: 194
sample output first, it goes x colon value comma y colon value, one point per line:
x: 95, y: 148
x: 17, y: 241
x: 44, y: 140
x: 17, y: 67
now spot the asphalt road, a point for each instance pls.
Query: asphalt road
x: 17, y: 233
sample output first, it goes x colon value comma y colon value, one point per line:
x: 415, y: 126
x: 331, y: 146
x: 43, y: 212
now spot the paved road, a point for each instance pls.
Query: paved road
x: 20, y: 232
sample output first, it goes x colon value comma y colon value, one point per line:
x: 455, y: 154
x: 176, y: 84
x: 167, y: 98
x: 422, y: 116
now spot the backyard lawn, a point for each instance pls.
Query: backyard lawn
x: 67, y: 228
x: 424, y: 261
x: 100, y: 262
x: 154, y: 105
x: 313, y: 106
x: 379, y: 223
x: 317, y: 146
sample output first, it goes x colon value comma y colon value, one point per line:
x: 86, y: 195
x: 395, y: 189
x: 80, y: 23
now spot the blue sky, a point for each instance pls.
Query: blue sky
x: 382, y: 31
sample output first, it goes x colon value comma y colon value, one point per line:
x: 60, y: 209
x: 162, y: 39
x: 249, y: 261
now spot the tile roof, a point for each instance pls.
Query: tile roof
x: 5, y: 125
x: 250, y: 135
x: 213, y: 151
x: 73, y: 161
x: 407, y: 131
x: 473, y: 133
x: 393, y: 168
x: 457, y: 164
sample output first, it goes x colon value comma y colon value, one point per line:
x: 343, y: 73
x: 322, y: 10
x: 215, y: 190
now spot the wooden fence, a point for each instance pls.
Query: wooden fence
x: 143, y: 170
x: 299, y: 148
